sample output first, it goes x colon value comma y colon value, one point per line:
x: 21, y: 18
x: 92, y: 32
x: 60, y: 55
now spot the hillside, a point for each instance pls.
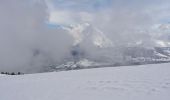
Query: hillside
x: 146, y: 82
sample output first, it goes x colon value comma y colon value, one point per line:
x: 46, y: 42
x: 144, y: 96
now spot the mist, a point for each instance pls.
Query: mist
x: 124, y: 22
x: 26, y: 42
x: 29, y: 44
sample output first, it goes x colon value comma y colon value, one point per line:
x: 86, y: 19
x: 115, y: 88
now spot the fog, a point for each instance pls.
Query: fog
x: 28, y: 44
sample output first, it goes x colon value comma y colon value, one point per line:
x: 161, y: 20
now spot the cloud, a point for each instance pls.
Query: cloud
x: 26, y: 42
x: 156, y: 9
x: 119, y: 19
x: 79, y: 5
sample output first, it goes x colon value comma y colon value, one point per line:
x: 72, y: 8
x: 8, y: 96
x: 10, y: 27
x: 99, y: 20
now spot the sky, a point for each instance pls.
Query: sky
x: 28, y: 44
x: 158, y: 10
x: 118, y: 19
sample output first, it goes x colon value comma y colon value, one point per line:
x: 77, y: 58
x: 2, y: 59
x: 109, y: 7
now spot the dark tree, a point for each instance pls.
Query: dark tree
x: 19, y: 73
x: 12, y: 73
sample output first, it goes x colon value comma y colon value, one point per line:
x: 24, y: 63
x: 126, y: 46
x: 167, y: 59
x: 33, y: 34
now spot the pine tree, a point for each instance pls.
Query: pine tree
x: 12, y: 73
x: 19, y: 73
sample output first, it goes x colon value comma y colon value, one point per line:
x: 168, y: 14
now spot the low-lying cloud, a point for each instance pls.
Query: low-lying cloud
x: 28, y: 44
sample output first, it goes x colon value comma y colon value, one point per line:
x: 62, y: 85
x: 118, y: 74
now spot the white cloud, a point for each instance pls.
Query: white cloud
x: 61, y: 17
x: 26, y: 43
x: 24, y: 34
x: 121, y: 19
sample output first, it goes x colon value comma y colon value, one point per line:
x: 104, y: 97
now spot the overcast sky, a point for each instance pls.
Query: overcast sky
x: 126, y: 20
x: 69, y: 11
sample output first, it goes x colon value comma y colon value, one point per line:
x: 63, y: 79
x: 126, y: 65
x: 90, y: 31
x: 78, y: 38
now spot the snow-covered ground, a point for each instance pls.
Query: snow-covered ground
x: 146, y: 82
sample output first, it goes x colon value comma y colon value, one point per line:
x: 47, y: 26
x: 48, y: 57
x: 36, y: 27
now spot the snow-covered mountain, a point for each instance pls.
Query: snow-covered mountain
x: 72, y: 65
x: 86, y: 33
x: 161, y: 35
x: 89, y: 34
x: 106, y: 53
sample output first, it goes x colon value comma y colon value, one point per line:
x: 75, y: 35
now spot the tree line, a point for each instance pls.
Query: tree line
x: 12, y: 73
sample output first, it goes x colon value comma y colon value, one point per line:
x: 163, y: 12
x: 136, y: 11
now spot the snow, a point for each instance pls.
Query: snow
x: 161, y: 55
x: 83, y: 63
x: 145, y: 82
x: 161, y: 43
x: 86, y: 32
x: 86, y: 62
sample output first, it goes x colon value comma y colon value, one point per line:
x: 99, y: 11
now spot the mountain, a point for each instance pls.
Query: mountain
x: 92, y: 48
x: 86, y: 33
x: 161, y: 35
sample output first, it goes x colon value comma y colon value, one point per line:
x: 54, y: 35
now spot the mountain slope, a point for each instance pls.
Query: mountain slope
x: 86, y: 33
x: 92, y: 44
x: 146, y: 82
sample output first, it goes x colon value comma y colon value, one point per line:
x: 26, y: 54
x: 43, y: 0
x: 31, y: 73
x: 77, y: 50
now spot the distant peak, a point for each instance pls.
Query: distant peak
x: 85, y: 32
